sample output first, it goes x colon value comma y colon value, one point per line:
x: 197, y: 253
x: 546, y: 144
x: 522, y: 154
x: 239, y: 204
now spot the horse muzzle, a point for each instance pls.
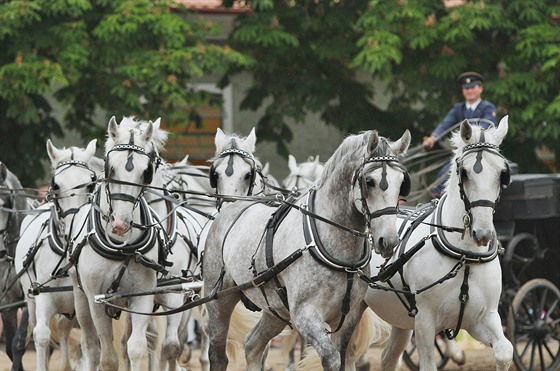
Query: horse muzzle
x: 385, y: 246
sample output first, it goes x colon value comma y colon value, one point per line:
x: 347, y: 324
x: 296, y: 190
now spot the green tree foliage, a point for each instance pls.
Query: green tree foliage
x: 124, y: 58
x: 311, y: 54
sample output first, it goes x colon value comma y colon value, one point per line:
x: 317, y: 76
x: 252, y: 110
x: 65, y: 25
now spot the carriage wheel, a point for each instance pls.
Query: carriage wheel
x: 533, y: 326
x: 521, y: 251
x: 410, y: 355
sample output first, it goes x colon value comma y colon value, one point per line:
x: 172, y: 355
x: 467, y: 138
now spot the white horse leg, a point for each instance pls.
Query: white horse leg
x: 308, y: 321
x: 424, y: 332
x: 391, y: 357
x: 489, y: 331
x: 88, y: 336
x: 104, y: 326
x: 64, y: 326
x: 257, y: 340
x: 204, y: 340
x: 453, y: 351
x: 138, y: 343
x: 172, y: 345
x: 44, y: 311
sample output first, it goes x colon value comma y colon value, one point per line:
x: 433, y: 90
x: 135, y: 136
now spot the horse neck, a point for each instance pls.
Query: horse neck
x: 332, y: 201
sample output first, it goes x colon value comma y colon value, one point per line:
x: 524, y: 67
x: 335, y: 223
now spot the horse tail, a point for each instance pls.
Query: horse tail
x: 371, y: 330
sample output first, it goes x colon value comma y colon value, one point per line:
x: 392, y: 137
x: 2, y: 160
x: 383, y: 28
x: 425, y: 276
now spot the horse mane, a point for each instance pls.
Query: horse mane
x: 128, y: 124
x: 352, y: 149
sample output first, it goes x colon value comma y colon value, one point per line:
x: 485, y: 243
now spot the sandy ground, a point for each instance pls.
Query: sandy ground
x: 479, y: 358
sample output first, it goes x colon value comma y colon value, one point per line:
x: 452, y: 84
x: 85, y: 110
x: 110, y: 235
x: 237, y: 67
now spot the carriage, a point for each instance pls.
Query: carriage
x: 527, y: 221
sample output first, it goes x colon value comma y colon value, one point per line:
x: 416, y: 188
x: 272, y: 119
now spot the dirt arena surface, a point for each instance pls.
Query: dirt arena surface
x: 479, y: 358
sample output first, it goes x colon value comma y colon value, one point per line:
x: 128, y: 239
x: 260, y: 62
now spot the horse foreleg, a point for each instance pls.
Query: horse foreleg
x: 204, y: 340
x: 453, y: 351
x: 391, y: 357
x: 360, y: 341
x: 489, y: 331
x: 19, y: 343
x: 425, y: 333
x: 309, y: 323
x: 9, y: 319
x: 44, y: 312
x: 216, y: 326
x: 65, y: 325
x: 172, y: 345
x: 88, y: 335
x: 257, y: 340
x: 103, y: 324
x: 137, y: 343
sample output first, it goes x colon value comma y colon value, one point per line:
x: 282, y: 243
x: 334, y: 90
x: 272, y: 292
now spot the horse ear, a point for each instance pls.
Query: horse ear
x: 373, y: 141
x: 466, y: 130
x: 3, y: 172
x: 502, y: 129
x: 149, y: 132
x: 113, y: 128
x: 52, y: 151
x: 157, y: 123
x: 219, y: 139
x: 91, y: 148
x: 251, y: 140
x: 316, y: 159
x: 401, y: 146
x: 185, y: 160
x: 292, y: 164
x: 266, y: 168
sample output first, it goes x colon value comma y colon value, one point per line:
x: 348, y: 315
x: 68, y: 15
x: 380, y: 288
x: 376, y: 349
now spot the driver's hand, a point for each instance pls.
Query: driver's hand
x: 429, y: 142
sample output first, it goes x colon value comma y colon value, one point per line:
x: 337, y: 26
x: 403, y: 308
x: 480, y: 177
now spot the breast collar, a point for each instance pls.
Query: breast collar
x: 55, y: 242
x: 442, y: 244
x: 318, y: 251
x: 111, y: 249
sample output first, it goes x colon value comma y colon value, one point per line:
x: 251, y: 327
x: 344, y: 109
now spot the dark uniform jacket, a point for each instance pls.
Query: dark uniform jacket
x: 484, y: 110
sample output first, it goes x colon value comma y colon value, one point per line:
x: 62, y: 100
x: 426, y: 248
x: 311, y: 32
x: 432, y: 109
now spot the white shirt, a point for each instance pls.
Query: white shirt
x: 474, y: 105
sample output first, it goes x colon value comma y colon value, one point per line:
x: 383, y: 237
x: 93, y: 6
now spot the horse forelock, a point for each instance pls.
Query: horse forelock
x: 130, y: 125
x: 233, y: 141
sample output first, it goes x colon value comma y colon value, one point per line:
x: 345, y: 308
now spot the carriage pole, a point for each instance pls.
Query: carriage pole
x: 183, y: 287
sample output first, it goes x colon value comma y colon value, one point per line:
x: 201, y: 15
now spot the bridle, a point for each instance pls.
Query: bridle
x: 479, y: 149
x: 54, y: 191
x: 147, y: 176
x: 359, y: 178
x: 246, y: 156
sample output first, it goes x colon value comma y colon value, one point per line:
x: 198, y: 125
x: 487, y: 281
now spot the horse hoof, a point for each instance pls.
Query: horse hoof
x: 461, y: 359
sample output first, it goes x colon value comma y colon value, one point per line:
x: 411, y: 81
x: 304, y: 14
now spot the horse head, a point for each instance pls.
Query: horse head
x: 234, y: 169
x: 12, y: 200
x: 366, y: 168
x: 304, y: 174
x: 74, y: 177
x: 479, y: 174
x: 131, y: 160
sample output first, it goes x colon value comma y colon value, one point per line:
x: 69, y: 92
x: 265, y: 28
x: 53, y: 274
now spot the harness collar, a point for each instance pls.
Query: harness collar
x: 442, y: 244
x: 318, y: 251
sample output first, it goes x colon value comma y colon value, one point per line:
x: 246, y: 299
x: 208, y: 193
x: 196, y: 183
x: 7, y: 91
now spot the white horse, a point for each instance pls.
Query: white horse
x: 116, y: 246
x: 304, y: 174
x: 452, y: 279
x: 235, y: 171
x: 311, y: 271
x: 42, y: 247
x: 13, y: 208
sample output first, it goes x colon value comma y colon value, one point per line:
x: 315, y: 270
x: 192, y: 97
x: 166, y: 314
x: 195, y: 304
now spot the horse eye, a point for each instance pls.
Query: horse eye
x: 370, y: 182
x: 464, y: 175
x: 247, y: 176
x: 55, y: 187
